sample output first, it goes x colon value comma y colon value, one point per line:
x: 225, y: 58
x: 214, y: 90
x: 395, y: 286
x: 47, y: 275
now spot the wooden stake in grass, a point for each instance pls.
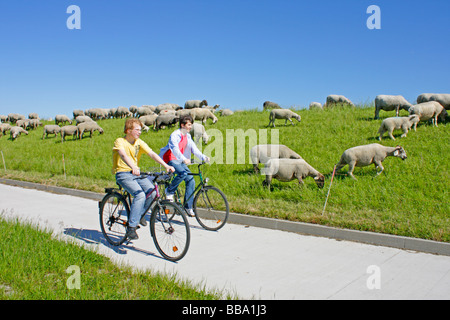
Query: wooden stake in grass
x: 64, y: 166
x: 326, y: 200
x: 3, y: 158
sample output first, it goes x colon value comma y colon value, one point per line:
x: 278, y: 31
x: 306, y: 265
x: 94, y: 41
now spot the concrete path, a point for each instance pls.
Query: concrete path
x: 247, y: 261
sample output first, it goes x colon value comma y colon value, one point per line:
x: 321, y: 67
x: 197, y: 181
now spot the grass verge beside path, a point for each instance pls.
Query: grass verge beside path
x: 33, y: 267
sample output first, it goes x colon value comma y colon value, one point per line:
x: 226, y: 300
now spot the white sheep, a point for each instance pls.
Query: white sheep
x: 283, y: 114
x: 4, y: 127
x: 34, y: 123
x: 213, y: 109
x: 33, y: 115
x: 51, y: 129
x: 88, y: 127
x: 69, y: 130
x: 270, y: 105
x: 77, y: 113
x: 290, y: 169
x: 333, y: 99
x: 198, y: 131
x: 442, y: 98
x: 429, y: 110
x: 390, y: 103
x: 15, y: 131
x: 61, y: 118
x: 203, y: 115
x: 144, y: 111
x: 315, y: 105
x: 191, y: 104
x: 149, y: 120
x: 396, y: 123
x: 81, y: 119
x: 361, y: 156
x: 262, y: 153
x: 226, y: 112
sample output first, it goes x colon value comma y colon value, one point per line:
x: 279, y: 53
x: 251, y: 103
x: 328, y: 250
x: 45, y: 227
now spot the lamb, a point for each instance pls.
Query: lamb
x: 198, y: 131
x: 393, y: 123
x: 290, y: 169
x: 270, y: 105
x: 61, y: 118
x: 203, y: 115
x: 442, y: 98
x: 361, y: 156
x: 90, y: 127
x: 283, y: 114
x: 51, y: 129
x: 69, y: 130
x: 333, y: 99
x: 390, y: 103
x: 191, y: 104
x: 429, y: 110
x: 165, y: 120
x: 15, y: 131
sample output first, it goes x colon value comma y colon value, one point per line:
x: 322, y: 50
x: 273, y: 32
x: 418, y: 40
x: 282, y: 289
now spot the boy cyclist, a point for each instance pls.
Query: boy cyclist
x: 127, y: 152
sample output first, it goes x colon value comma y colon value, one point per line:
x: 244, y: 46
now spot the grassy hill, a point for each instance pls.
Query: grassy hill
x: 410, y: 198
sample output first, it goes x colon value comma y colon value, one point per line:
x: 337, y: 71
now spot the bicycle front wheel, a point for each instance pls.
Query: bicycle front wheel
x: 114, y: 213
x: 169, y: 228
x: 211, y: 208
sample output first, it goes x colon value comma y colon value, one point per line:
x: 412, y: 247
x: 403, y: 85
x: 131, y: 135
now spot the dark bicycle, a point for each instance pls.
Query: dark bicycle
x: 169, y: 226
x: 210, y: 203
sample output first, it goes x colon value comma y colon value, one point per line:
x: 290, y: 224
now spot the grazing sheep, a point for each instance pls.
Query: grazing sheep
x: 270, y: 105
x: 34, y: 123
x: 184, y: 112
x: 4, y: 127
x: 226, y: 112
x: 333, y: 99
x: 3, y: 118
x: 203, y: 115
x: 15, y: 131
x: 61, y: 118
x: 122, y: 112
x: 88, y: 127
x: 13, y: 117
x: 198, y: 131
x: 213, y: 109
x: 442, y: 98
x: 77, y: 113
x: 262, y: 153
x: 393, y: 123
x: 144, y: 111
x: 67, y: 131
x: 51, y: 129
x: 390, y: 103
x: 23, y: 123
x: 365, y: 155
x: 167, y: 111
x: 133, y: 110
x: 191, y: 104
x: 283, y: 114
x: 429, y: 110
x: 149, y: 120
x: 290, y: 169
x: 81, y: 119
x: 33, y: 115
x: 165, y: 120
x: 315, y: 105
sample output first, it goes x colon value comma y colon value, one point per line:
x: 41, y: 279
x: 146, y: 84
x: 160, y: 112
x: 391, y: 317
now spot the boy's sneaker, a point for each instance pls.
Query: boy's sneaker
x: 190, y: 212
x: 169, y: 196
x: 131, y: 233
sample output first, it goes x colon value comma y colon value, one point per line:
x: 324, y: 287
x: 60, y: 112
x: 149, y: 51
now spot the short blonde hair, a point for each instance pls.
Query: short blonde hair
x: 129, y: 124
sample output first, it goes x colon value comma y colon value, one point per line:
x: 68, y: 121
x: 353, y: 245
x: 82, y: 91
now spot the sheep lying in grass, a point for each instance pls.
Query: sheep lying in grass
x: 395, y: 123
x: 198, y: 131
x: 365, y: 155
x: 390, y: 103
x: 262, y: 153
x: 90, y: 127
x: 283, y: 114
x: 290, y: 169
x: 67, y: 131
x: 51, y: 129
x: 15, y: 131
x: 429, y: 110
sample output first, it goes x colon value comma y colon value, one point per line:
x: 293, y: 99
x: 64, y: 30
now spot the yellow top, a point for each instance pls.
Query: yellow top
x: 134, y: 151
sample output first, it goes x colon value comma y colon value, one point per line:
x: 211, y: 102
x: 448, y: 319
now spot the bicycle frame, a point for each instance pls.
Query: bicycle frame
x: 197, y: 188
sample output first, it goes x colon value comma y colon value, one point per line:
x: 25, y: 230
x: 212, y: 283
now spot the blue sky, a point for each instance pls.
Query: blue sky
x: 234, y: 53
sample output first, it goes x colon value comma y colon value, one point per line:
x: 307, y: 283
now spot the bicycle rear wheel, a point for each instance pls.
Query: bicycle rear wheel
x: 114, y: 214
x: 169, y: 228
x: 211, y: 208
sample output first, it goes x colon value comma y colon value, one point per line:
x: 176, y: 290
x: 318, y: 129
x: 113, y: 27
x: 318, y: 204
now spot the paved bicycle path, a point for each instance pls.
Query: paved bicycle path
x: 250, y: 262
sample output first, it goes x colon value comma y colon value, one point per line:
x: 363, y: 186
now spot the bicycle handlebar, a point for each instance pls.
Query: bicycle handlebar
x: 159, y: 176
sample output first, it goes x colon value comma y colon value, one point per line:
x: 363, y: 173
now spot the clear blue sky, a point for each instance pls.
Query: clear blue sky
x: 236, y: 53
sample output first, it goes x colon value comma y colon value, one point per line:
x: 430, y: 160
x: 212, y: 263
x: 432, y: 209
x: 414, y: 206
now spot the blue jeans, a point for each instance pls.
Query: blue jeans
x: 182, y: 170
x: 138, y: 189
